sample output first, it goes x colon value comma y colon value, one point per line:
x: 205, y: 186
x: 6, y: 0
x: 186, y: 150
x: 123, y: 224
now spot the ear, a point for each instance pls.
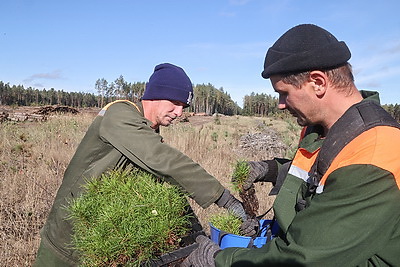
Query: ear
x: 320, y: 82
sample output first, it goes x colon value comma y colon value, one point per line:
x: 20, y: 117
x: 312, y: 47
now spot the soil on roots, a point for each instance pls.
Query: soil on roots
x: 250, y: 201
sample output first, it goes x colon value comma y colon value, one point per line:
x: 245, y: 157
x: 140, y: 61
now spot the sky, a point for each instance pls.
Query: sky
x: 68, y: 45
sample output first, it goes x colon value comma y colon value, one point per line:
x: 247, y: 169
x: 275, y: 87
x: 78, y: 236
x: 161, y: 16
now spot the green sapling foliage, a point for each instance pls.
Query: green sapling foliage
x: 226, y: 222
x: 126, y: 218
x: 240, y: 175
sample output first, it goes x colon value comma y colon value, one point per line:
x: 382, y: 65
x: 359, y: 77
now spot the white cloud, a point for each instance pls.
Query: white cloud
x: 54, y: 75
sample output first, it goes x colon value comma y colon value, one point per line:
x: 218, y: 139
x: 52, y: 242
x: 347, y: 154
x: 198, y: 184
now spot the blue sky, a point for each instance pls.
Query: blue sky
x: 68, y: 45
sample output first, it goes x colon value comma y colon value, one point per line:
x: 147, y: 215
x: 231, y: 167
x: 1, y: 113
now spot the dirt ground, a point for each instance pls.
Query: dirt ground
x: 199, y: 120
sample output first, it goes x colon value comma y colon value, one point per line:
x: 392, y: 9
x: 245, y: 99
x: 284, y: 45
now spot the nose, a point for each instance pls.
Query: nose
x: 282, y: 102
x: 178, y: 110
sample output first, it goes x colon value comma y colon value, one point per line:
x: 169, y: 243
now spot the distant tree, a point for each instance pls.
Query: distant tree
x: 122, y: 88
x: 393, y: 110
x: 211, y: 100
x: 137, y: 90
x: 259, y: 105
x: 101, y: 88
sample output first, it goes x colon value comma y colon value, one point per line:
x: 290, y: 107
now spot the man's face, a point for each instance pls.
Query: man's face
x: 300, y: 102
x: 167, y: 111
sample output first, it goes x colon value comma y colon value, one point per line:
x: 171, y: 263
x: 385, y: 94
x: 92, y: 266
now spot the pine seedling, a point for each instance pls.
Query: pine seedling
x: 248, y: 196
x: 127, y: 218
x: 240, y: 175
x: 227, y: 222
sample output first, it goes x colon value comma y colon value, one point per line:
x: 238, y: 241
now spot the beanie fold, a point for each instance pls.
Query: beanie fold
x: 169, y: 93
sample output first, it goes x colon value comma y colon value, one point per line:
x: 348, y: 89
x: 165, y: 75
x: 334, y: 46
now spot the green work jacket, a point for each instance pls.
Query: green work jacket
x: 352, y: 220
x: 120, y: 136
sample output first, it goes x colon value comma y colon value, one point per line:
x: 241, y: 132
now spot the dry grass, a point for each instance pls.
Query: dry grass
x: 214, y: 145
x: 33, y: 158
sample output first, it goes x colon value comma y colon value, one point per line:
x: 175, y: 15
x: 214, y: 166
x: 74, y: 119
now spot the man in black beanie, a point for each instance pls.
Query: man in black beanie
x: 124, y: 135
x: 339, y: 200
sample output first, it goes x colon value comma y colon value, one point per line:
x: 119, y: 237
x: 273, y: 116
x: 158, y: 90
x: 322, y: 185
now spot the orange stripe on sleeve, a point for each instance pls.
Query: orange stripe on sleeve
x: 379, y: 146
x: 305, y: 159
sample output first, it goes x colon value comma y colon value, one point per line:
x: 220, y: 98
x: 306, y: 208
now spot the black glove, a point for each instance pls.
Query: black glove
x: 283, y: 171
x: 232, y: 204
x: 250, y: 227
x: 203, y: 255
x: 261, y: 171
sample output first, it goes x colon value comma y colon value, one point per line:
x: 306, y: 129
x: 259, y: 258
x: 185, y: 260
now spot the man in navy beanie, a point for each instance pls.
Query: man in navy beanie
x: 338, y: 201
x: 123, y: 135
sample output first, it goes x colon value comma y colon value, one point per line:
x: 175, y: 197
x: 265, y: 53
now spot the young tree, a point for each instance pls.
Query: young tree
x: 101, y: 87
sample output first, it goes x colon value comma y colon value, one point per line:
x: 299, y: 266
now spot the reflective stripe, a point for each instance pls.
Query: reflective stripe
x: 303, y: 175
x: 320, y: 189
x: 299, y: 173
x: 102, y: 112
x: 104, y: 109
x: 302, y: 164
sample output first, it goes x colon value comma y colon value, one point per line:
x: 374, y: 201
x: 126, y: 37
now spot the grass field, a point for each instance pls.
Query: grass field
x: 34, y: 155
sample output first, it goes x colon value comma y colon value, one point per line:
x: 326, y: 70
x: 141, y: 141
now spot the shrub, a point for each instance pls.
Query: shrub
x: 127, y: 217
x: 214, y: 136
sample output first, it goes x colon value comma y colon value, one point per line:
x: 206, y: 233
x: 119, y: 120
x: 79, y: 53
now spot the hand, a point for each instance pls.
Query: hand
x: 250, y: 227
x: 260, y: 171
x: 283, y: 171
x: 232, y: 204
x: 203, y: 255
x: 250, y: 179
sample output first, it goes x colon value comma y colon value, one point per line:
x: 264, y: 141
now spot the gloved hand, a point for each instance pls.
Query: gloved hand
x: 282, y: 173
x: 203, y: 255
x: 250, y: 227
x: 232, y: 204
x: 260, y: 171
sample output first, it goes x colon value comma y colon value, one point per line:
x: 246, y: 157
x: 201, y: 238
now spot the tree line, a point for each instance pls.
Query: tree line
x: 17, y: 95
x: 207, y: 98
x: 393, y: 109
x: 260, y: 105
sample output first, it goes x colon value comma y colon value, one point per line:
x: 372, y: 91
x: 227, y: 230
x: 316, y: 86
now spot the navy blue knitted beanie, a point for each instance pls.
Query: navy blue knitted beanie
x: 169, y: 82
x: 303, y: 48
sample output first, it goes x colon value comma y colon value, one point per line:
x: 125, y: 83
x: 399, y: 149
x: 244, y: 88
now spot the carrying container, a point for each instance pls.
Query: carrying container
x: 268, y: 230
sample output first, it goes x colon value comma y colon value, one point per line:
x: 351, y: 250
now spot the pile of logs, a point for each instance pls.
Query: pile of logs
x: 20, y: 116
x: 40, y: 114
x: 56, y: 109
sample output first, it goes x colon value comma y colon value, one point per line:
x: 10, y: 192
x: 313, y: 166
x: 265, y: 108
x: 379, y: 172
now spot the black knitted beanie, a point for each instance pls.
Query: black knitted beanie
x: 302, y: 48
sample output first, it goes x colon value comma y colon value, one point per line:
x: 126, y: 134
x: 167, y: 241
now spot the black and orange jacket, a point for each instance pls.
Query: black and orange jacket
x: 352, y: 219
